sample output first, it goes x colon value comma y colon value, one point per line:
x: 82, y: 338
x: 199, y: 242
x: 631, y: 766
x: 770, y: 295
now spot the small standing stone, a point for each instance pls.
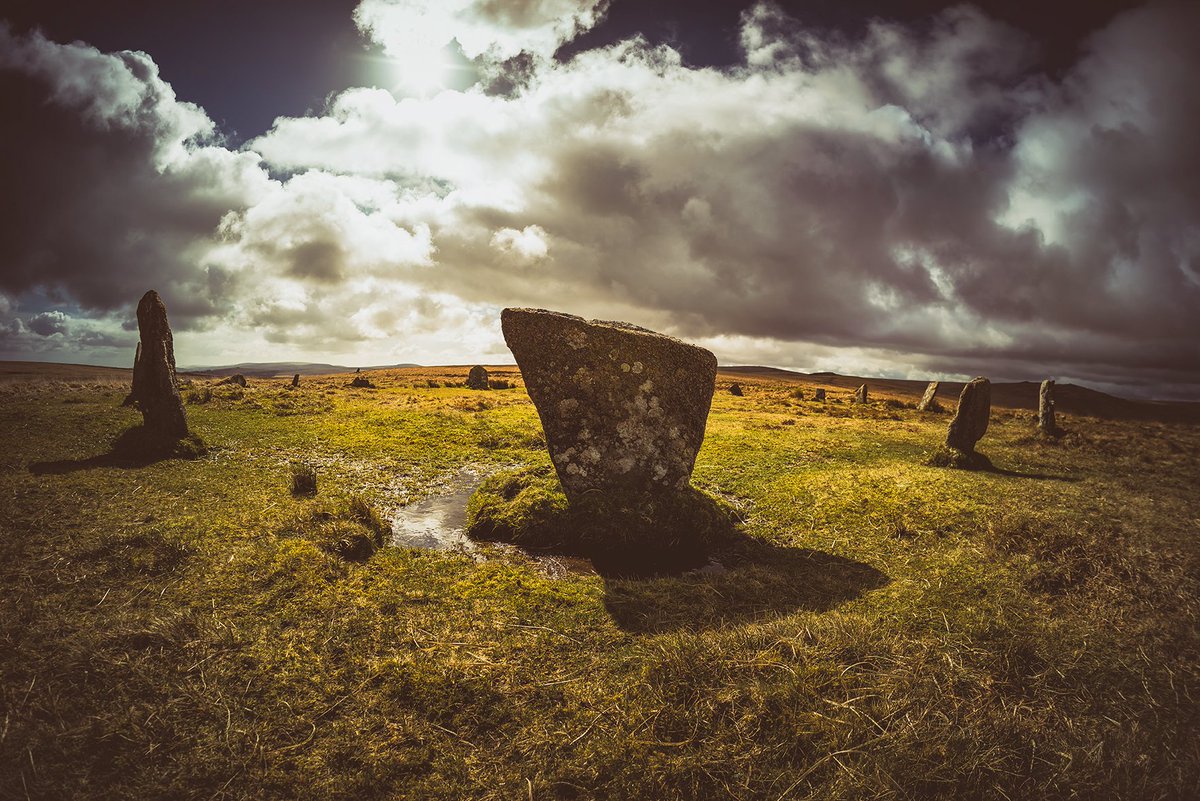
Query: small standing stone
x: 818, y: 394
x: 362, y: 382
x: 735, y: 389
x: 295, y: 380
x: 929, y: 399
x: 860, y: 395
x: 971, y: 418
x: 1046, y: 422
x: 154, y: 384
x: 477, y: 378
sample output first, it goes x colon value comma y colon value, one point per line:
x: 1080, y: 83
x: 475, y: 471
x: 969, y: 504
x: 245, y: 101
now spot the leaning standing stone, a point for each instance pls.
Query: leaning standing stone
x: 154, y: 373
x: 1046, y: 422
x: 736, y: 389
x: 971, y: 418
x: 477, y: 378
x: 623, y: 407
x: 929, y: 399
x: 860, y: 395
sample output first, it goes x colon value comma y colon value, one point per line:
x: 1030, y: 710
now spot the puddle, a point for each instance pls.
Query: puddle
x: 439, y: 521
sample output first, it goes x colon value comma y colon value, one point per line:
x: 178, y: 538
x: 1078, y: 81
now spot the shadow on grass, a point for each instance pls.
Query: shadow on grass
x: 133, y: 448
x: 945, y: 456
x: 748, y: 580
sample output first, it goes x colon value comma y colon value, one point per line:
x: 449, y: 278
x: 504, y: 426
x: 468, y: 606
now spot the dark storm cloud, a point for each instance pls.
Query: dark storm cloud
x: 48, y: 323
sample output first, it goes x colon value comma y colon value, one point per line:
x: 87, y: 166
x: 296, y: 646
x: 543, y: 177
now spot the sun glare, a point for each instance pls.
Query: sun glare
x: 418, y: 71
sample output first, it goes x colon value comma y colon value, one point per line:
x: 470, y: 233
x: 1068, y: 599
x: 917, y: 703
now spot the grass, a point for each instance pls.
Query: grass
x: 178, y: 629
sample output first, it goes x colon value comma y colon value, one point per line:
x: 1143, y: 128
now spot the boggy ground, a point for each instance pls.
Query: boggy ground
x: 177, y: 629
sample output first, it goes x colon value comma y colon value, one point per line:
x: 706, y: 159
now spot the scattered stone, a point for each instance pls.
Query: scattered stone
x: 236, y: 378
x: 154, y: 386
x: 1046, y: 422
x: 295, y: 380
x: 860, y: 395
x: 818, y: 394
x: 477, y: 378
x: 623, y: 408
x: 929, y: 399
x: 131, y: 398
x: 735, y: 389
x: 968, y: 426
x: 362, y: 383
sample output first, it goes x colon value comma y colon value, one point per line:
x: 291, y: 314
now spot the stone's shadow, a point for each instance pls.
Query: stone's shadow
x: 945, y: 456
x: 132, y: 449
x: 747, y: 580
x: 1000, y: 471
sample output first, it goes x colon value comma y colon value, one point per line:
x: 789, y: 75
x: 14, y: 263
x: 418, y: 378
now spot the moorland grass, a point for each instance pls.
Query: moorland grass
x: 884, y: 629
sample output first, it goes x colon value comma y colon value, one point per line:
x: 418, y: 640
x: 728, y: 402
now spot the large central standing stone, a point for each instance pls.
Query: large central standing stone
x: 623, y: 407
x: 154, y: 386
x: 970, y: 421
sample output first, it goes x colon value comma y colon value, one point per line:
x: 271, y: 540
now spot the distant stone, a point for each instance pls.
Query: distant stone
x: 362, y: 383
x: 477, y: 378
x: 735, y: 389
x: 131, y: 398
x: 236, y: 378
x: 970, y: 421
x: 154, y: 387
x: 860, y: 395
x: 1046, y: 422
x: 929, y: 399
x: 623, y: 408
x: 295, y: 380
x: 818, y: 394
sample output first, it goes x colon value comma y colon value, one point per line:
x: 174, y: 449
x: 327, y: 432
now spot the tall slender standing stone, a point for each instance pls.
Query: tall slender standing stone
x: 1046, y: 423
x: 154, y: 373
x: 623, y: 407
x: 295, y: 380
x: 929, y: 399
x: 971, y: 418
x: 860, y: 395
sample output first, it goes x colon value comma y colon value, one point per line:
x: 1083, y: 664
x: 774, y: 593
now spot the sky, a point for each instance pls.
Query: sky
x: 904, y: 189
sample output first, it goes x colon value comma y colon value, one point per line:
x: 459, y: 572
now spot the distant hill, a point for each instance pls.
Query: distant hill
x: 272, y: 369
x: 1068, y: 398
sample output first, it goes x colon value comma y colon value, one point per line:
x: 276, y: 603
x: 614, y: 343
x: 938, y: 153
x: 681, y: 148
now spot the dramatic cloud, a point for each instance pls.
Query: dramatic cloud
x: 914, y: 200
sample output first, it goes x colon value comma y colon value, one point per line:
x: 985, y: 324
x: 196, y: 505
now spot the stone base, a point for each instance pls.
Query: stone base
x: 641, y: 536
x: 946, y: 456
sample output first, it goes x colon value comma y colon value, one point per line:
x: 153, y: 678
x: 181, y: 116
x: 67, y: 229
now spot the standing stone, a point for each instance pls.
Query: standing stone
x: 623, y: 407
x: 929, y: 399
x: 295, y: 380
x: 1046, y: 422
x: 860, y: 395
x: 477, y: 378
x: 971, y: 418
x: 131, y: 398
x: 157, y: 395
x: 818, y: 394
x: 735, y: 389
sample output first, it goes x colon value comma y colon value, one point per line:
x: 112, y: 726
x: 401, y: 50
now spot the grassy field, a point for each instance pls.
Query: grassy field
x: 183, y: 629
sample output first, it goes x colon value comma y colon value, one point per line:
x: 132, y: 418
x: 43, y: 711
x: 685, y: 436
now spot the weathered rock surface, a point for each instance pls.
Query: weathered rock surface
x: 818, y: 394
x: 131, y: 398
x: 929, y: 399
x: 623, y: 408
x: 477, y: 378
x: 735, y: 389
x: 1046, y: 422
x: 154, y: 385
x: 860, y: 395
x: 970, y: 421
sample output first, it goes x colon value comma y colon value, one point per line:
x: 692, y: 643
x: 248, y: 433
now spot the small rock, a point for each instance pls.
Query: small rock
x: 477, y: 378
x: 362, y: 383
x: 735, y: 389
x: 236, y: 378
